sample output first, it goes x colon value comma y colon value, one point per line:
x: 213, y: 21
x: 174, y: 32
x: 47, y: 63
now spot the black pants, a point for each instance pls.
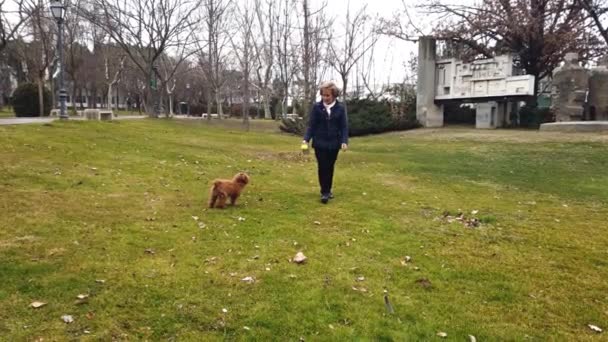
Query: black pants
x: 326, y: 159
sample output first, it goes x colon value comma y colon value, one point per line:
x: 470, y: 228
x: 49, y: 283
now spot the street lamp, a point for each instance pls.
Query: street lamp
x: 58, y: 10
x: 188, y: 96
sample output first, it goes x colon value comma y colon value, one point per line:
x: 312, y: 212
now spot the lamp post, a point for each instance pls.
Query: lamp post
x: 188, y: 97
x: 58, y: 11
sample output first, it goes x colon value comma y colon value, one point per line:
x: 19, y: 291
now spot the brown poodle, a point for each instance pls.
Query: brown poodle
x: 223, y: 189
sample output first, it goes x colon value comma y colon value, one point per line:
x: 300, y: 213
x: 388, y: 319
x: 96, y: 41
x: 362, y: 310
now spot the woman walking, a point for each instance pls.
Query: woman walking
x: 328, y: 129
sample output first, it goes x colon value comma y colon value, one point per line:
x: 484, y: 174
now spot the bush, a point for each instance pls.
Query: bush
x: 366, y: 117
x: 532, y: 117
x: 197, y: 109
x: 236, y: 110
x: 371, y: 117
x: 295, y: 126
x: 25, y: 101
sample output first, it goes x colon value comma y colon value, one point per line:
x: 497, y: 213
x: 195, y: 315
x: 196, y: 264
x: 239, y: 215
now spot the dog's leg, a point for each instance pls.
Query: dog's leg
x: 212, y: 197
x: 221, y: 200
x: 233, y: 198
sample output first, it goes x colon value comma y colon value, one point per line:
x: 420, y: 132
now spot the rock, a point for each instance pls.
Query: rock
x: 300, y: 258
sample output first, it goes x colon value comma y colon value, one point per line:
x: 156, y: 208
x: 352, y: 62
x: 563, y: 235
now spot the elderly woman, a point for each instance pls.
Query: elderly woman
x: 328, y: 129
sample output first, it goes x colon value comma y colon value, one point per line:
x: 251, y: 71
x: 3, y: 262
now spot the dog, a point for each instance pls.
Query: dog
x: 223, y: 189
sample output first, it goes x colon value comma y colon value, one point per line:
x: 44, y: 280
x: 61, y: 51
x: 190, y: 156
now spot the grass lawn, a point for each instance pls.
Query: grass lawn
x: 115, y: 211
x: 6, y: 112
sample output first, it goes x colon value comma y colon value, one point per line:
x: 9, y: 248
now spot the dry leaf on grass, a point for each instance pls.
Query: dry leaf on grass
x: 442, y: 334
x: 67, y: 319
x: 249, y: 280
x: 595, y: 328
x: 37, y: 304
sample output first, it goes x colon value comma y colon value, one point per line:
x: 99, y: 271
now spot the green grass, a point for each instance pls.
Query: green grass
x: 83, y: 201
x: 6, y: 112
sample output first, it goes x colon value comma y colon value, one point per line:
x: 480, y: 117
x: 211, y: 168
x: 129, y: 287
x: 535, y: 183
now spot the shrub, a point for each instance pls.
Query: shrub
x: 366, y: 117
x: 236, y: 110
x: 371, y: 117
x: 295, y: 126
x: 25, y: 101
x: 532, y: 117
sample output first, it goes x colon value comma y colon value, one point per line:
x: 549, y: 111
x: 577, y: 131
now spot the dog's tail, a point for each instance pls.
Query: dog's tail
x: 216, y: 183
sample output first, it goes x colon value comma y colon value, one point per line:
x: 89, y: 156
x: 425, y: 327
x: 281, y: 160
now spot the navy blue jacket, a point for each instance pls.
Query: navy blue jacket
x: 327, y: 132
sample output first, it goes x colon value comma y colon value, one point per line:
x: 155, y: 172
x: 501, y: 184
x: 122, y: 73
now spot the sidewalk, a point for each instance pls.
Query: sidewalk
x: 20, y: 121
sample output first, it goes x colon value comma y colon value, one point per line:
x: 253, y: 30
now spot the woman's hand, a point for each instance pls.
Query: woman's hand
x: 344, y: 146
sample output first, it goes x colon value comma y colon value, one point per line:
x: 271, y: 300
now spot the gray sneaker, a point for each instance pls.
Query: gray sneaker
x: 324, y: 199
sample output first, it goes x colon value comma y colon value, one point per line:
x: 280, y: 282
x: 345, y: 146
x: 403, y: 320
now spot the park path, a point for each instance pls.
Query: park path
x: 20, y: 121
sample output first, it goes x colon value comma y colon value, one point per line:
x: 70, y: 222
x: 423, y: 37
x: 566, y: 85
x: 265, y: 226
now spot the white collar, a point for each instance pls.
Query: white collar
x: 329, y: 106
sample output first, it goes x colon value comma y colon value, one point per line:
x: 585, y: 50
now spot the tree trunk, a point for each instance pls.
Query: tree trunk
x: 345, y: 86
x: 110, y: 96
x: 307, y: 58
x: 266, y: 103
x: 74, y: 98
x: 40, y: 97
x: 218, y: 102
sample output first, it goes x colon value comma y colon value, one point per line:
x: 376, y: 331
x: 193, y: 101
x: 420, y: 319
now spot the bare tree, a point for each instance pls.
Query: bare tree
x: 400, y: 25
x: 76, y: 51
x: 598, y: 12
x: 111, y: 82
x: 313, y: 46
x: 347, y: 49
x: 287, y: 59
x: 267, y: 17
x: 39, y: 53
x: 216, y: 14
x: 245, y: 52
x: 14, y: 14
x: 170, y: 72
x: 147, y: 29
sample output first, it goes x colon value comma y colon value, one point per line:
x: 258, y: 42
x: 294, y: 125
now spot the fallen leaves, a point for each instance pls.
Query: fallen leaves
x: 442, y: 334
x: 249, y: 280
x: 467, y: 221
x: 424, y: 283
x: 405, y: 260
x: 37, y: 304
x: 67, y: 319
x: 595, y: 328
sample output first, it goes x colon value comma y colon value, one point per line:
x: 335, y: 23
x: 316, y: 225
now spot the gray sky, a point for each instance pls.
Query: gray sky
x: 390, y: 53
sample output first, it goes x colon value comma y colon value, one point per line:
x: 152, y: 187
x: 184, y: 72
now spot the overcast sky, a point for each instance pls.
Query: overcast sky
x: 390, y: 53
